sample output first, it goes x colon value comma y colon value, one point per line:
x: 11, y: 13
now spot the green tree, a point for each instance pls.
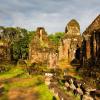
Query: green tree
x: 55, y: 38
x: 18, y: 41
x: 31, y: 35
x: 20, y: 45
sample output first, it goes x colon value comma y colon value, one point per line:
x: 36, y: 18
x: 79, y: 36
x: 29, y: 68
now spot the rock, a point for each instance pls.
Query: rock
x: 87, y: 97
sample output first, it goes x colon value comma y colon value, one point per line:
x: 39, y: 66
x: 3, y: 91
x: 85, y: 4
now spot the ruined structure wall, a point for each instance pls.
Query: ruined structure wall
x: 88, y: 50
x: 4, y: 51
x: 92, y: 38
x: 40, y: 49
x: 53, y: 60
x: 64, y: 49
x: 71, y: 40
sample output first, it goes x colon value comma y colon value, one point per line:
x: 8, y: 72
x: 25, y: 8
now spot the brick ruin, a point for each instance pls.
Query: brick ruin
x: 41, y: 50
x: 91, y: 44
x: 4, y: 48
x: 38, y: 46
x: 71, y: 42
x: 83, y: 48
x: 3, y: 51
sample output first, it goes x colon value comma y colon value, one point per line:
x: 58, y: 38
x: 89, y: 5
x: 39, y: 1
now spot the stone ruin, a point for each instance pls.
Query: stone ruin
x: 3, y: 51
x: 90, y: 68
x: 4, y: 48
x: 71, y: 42
x: 91, y: 44
x: 83, y: 49
x: 41, y: 49
x: 38, y: 48
x: 53, y: 59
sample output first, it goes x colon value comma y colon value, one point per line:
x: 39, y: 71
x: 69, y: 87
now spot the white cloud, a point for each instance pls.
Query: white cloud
x: 52, y: 14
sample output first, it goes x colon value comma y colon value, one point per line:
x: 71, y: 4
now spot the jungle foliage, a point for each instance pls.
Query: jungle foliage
x: 18, y: 40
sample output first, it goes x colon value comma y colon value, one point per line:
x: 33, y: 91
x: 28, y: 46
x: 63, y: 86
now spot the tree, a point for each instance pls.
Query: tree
x: 18, y: 41
x: 20, y: 45
x: 55, y: 38
x: 31, y: 35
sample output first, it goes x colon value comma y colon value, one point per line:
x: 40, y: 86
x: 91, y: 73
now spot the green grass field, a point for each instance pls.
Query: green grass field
x: 16, y: 80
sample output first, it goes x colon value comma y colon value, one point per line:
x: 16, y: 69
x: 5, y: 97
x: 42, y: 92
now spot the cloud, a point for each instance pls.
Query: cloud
x: 51, y: 14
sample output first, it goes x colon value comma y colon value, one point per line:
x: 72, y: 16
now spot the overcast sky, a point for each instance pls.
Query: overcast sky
x: 51, y: 14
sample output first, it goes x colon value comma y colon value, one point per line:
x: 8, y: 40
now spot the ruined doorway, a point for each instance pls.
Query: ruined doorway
x: 77, y: 54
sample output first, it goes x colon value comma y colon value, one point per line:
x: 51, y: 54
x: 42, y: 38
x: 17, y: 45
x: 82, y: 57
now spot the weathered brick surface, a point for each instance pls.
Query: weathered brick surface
x: 71, y: 40
x: 40, y: 49
x: 92, y: 42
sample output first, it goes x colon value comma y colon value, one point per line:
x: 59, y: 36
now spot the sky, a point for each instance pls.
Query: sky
x: 53, y: 15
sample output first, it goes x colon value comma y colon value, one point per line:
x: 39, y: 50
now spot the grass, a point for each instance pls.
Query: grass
x: 21, y: 79
x: 78, y: 77
x: 19, y: 83
x: 45, y: 94
x: 11, y: 73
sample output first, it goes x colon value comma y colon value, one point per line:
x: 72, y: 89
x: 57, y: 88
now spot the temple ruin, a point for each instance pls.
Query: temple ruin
x: 91, y: 44
x: 84, y: 49
x: 40, y: 49
x: 38, y: 46
x: 4, y: 48
x: 71, y: 42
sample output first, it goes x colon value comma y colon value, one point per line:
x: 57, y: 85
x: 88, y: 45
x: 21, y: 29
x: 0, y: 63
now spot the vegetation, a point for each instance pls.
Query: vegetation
x: 55, y: 38
x: 17, y: 80
x: 18, y: 41
x: 28, y: 78
x: 11, y: 73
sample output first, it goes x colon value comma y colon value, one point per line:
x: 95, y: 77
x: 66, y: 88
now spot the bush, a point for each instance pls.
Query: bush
x: 40, y: 80
x: 4, y: 68
x: 37, y: 68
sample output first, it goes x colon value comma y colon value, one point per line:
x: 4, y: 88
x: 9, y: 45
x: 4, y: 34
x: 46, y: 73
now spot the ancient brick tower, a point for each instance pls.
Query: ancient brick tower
x: 41, y: 49
x: 91, y: 43
x: 71, y: 42
x: 38, y: 46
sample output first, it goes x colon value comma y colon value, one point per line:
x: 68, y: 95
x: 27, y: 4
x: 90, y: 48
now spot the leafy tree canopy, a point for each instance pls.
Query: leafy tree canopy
x: 18, y: 40
x: 56, y: 37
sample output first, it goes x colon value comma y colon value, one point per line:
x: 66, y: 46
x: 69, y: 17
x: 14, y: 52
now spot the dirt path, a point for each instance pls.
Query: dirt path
x: 23, y: 94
